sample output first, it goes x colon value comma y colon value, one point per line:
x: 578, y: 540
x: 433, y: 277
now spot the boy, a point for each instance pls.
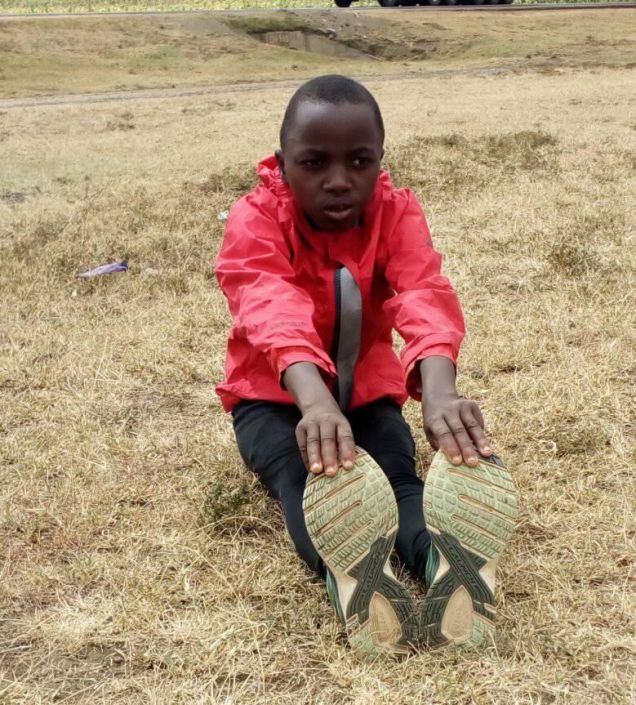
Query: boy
x: 319, y: 263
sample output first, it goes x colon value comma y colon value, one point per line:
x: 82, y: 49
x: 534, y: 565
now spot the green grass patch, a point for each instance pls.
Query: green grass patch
x: 258, y: 24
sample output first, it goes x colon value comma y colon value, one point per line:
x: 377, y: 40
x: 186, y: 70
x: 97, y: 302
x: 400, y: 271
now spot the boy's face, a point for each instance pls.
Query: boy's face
x: 331, y: 161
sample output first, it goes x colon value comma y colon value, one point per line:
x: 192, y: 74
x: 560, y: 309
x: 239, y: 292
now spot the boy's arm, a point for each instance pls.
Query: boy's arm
x: 254, y: 271
x: 276, y: 317
x: 426, y: 312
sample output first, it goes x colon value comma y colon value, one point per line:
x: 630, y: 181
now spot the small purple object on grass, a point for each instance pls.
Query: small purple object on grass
x: 105, y: 269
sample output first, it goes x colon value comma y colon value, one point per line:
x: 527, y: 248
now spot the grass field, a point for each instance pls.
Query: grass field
x: 88, y: 54
x: 140, y: 563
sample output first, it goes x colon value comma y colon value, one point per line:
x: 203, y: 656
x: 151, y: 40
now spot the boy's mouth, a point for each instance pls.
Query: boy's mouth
x: 339, y: 211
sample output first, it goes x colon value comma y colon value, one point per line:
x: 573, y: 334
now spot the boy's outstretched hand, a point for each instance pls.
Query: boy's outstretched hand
x: 324, y: 435
x: 324, y: 438
x: 451, y: 423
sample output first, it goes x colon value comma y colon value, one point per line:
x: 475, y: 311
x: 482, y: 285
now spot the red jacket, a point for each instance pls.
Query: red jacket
x: 278, y: 276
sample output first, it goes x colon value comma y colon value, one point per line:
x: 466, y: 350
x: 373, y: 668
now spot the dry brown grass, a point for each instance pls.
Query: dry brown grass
x: 140, y: 562
x: 53, y: 55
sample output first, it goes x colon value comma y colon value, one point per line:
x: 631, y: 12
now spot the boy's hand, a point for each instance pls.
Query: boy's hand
x: 455, y: 425
x: 324, y: 436
x: 451, y: 423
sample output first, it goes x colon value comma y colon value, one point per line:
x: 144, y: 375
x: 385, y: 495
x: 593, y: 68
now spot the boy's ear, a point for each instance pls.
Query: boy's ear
x: 281, y: 162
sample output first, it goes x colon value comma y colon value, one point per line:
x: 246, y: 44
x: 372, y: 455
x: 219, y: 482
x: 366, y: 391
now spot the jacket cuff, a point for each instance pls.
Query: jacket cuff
x: 413, y: 355
x: 282, y: 358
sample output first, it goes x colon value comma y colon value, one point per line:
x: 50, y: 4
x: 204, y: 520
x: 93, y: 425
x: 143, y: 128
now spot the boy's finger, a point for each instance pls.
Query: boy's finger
x: 328, y: 448
x: 313, y: 450
x: 476, y: 431
x: 346, y: 446
x: 301, y: 439
x: 463, y: 439
x: 446, y: 442
x: 477, y: 414
x: 485, y: 449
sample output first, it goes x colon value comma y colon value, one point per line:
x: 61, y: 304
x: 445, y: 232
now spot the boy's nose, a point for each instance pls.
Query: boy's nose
x: 337, y: 180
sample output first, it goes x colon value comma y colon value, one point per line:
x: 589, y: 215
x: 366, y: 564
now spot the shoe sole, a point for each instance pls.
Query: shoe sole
x: 352, y: 521
x: 470, y: 513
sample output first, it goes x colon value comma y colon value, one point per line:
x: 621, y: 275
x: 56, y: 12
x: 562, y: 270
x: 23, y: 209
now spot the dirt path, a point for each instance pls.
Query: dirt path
x: 221, y: 89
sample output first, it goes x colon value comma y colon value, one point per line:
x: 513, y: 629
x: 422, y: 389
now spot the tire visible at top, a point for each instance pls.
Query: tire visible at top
x: 411, y: 3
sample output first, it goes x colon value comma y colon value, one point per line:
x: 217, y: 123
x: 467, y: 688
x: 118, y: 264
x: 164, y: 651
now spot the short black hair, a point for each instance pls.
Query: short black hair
x: 333, y: 89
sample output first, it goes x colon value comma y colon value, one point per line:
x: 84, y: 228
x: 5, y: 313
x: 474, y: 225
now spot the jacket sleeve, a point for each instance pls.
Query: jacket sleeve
x: 425, y: 309
x: 255, y: 274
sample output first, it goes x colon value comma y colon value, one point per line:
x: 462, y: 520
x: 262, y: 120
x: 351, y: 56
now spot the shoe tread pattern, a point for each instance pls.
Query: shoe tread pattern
x: 346, y: 513
x: 352, y: 522
x: 471, y: 512
x: 476, y: 505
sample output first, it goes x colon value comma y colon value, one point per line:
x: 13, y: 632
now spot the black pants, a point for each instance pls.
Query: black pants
x: 265, y: 432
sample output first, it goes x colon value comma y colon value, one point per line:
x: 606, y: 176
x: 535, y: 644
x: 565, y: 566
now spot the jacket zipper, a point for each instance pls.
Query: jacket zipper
x: 336, y: 332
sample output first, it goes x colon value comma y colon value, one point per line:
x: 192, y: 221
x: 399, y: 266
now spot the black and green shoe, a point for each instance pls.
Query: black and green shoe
x: 470, y: 513
x: 352, y: 521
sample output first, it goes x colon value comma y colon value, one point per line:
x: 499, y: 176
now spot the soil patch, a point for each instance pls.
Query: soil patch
x: 306, y: 40
x: 333, y: 36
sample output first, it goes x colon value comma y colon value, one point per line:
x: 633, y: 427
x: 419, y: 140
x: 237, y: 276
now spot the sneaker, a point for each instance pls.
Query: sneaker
x: 470, y: 514
x: 352, y: 521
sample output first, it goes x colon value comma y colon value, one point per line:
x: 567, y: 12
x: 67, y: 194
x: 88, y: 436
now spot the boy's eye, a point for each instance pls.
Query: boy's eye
x: 312, y: 163
x: 361, y: 162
